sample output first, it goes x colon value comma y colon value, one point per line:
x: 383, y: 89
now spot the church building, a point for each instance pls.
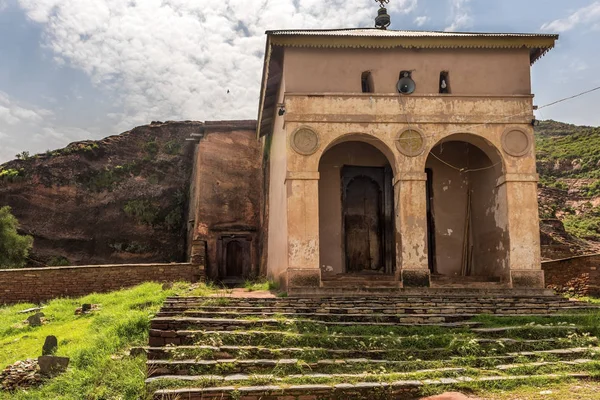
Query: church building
x: 379, y: 158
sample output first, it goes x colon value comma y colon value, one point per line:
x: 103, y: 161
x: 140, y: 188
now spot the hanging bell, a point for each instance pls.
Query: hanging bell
x: 383, y: 19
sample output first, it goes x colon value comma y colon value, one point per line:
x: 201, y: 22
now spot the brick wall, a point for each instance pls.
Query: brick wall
x: 577, y: 275
x: 40, y: 284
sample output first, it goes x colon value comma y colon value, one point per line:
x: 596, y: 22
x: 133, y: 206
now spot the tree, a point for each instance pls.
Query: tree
x: 14, y: 248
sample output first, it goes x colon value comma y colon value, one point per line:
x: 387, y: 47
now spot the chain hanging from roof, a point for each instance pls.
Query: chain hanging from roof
x: 382, y: 21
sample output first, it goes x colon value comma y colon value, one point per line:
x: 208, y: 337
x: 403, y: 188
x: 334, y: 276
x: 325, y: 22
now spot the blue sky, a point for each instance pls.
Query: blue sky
x: 85, y: 69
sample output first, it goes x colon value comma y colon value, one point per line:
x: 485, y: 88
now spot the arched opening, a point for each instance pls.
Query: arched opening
x: 466, y: 211
x: 366, y: 82
x: 356, y: 211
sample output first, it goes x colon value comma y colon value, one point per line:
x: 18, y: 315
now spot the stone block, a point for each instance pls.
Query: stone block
x: 309, y: 277
x: 527, y: 278
x: 50, y: 345
x: 415, y: 278
x: 51, y: 365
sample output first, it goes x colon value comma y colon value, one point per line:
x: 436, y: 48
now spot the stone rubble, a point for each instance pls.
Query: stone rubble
x: 20, y: 375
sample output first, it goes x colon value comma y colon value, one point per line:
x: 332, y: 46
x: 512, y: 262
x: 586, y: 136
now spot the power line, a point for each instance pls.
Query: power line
x: 569, y: 98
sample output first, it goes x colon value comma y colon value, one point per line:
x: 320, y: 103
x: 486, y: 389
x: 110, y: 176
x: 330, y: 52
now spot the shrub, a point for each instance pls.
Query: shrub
x: 58, y: 261
x: 142, y: 210
x: 11, y: 174
x: 14, y: 248
x: 172, y: 147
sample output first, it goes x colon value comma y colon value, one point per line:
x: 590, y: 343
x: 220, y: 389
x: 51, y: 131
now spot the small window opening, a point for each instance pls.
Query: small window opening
x: 366, y: 80
x: 444, y: 82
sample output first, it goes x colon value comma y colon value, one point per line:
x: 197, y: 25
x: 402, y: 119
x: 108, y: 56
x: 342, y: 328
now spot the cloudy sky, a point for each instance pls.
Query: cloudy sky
x: 85, y: 69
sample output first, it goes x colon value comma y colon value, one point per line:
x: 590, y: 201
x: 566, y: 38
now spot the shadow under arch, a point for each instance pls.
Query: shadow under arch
x: 467, y: 216
x: 488, y: 148
x: 363, y: 138
x: 356, y: 210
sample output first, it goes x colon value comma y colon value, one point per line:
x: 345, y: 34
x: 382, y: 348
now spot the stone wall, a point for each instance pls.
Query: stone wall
x: 576, y: 275
x: 40, y: 284
x: 226, y: 194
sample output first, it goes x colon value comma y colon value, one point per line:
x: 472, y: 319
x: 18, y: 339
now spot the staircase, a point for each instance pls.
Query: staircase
x: 374, y: 347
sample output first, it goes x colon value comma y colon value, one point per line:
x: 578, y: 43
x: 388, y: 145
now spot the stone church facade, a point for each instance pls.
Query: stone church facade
x: 396, y: 157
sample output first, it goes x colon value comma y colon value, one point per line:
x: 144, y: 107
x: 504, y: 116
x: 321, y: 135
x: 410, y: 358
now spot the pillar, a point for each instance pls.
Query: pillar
x: 523, y: 230
x: 411, y: 229
x: 303, y: 230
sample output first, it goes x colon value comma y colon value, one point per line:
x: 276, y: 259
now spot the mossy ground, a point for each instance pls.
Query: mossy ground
x: 97, y: 343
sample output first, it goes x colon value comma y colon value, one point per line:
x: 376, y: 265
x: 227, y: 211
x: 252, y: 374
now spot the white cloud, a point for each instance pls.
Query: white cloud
x: 460, y: 15
x: 176, y: 59
x: 12, y: 113
x: 585, y: 15
x: 420, y: 21
x: 26, y: 127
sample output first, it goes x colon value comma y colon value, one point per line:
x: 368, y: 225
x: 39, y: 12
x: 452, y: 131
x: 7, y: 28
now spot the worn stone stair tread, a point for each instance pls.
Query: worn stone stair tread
x: 517, y: 327
x: 578, y: 361
x: 258, y: 390
x: 245, y: 377
x: 573, y: 350
x: 275, y: 362
x: 271, y: 321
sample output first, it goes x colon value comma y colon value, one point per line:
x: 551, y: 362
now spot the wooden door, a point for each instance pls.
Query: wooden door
x: 235, y: 259
x: 362, y: 217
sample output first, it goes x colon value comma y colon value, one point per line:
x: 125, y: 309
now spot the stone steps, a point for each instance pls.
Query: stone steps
x: 357, y: 391
x: 289, y: 367
x: 211, y: 311
x: 232, y: 352
x: 362, y: 347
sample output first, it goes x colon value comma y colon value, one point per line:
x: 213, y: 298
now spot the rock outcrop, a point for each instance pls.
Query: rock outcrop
x: 122, y: 199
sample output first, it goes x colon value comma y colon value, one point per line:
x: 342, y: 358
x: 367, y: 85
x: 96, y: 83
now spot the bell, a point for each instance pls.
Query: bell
x: 383, y: 19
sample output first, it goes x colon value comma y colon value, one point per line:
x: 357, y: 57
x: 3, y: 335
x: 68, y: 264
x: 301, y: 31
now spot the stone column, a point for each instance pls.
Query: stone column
x: 523, y: 230
x: 411, y: 229
x: 303, y: 230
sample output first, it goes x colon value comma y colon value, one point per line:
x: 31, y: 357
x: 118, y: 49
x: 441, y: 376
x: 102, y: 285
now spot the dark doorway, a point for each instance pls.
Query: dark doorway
x: 235, y: 259
x: 367, y: 219
x: 430, y: 222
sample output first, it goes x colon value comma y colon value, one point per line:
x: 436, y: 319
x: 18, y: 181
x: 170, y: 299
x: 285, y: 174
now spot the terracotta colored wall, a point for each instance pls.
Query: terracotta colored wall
x: 330, y: 200
x: 277, y: 257
x: 488, y: 230
x: 228, y: 188
x: 40, y: 284
x: 576, y: 275
x: 476, y: 71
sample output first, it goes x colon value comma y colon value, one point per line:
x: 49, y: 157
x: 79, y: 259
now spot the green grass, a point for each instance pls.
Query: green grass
x: 253, y: 286
x: 96, y: 343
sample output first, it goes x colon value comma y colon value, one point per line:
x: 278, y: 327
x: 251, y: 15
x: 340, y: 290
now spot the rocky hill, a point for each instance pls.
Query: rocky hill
x: 124, y: 198
x: 117, y: 200
x: 568, y: 161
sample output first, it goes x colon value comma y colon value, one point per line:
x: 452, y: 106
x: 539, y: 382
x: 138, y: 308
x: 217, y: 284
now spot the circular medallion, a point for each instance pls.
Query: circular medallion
x: 305, y: 141
x: 410, y: 142
x: 515, y: 142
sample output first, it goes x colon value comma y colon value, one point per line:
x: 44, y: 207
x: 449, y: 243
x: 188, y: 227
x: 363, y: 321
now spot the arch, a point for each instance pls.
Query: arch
x: 478, y: 141
x: 467, y: 210
x: 355, y: 173
x: 369, y: 139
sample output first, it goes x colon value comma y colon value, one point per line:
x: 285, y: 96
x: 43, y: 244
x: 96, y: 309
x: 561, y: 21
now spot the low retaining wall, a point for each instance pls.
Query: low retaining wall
x: 39, y: 284
x: 578, y: 275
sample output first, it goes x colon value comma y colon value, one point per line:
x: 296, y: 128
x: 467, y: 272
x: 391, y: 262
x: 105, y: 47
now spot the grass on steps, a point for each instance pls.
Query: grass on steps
x: 96, y: 343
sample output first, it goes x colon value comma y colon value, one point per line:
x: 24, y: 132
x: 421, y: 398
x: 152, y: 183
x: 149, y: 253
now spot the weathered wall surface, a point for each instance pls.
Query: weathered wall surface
x: 488, y: 236
x: 472, y: 72
x: 228, y: 187
x: 40, y: 284
x: 577, y: 275
x: 277, y: 251
x: 121, y: 199
x: 330, y: 198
